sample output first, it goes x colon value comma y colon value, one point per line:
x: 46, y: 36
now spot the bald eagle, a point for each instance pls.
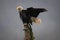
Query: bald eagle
x: 30, y: 14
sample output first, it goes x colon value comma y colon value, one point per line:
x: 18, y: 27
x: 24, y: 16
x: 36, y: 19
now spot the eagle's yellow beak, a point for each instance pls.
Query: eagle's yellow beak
x: 19, y: 8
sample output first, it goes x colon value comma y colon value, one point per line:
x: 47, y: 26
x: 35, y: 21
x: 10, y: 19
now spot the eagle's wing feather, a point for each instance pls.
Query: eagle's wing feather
x: 34, y: 12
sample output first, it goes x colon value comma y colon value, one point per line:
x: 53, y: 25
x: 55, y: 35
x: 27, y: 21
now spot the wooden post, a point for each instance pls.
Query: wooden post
x: 28, y: 32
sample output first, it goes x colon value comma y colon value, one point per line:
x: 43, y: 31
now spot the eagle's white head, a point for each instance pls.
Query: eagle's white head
x: 19, y: 8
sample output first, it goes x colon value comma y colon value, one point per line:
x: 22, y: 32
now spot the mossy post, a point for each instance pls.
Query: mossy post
x: 28, y: 32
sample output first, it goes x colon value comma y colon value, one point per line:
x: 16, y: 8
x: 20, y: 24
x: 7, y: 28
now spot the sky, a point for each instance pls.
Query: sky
x: 11, y: 26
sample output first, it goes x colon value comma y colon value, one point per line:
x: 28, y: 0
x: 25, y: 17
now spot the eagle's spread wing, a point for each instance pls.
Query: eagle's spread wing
x: 34, y: 12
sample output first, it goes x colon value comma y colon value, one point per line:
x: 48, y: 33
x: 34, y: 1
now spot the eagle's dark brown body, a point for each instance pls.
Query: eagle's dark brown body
x: 26, y: 15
